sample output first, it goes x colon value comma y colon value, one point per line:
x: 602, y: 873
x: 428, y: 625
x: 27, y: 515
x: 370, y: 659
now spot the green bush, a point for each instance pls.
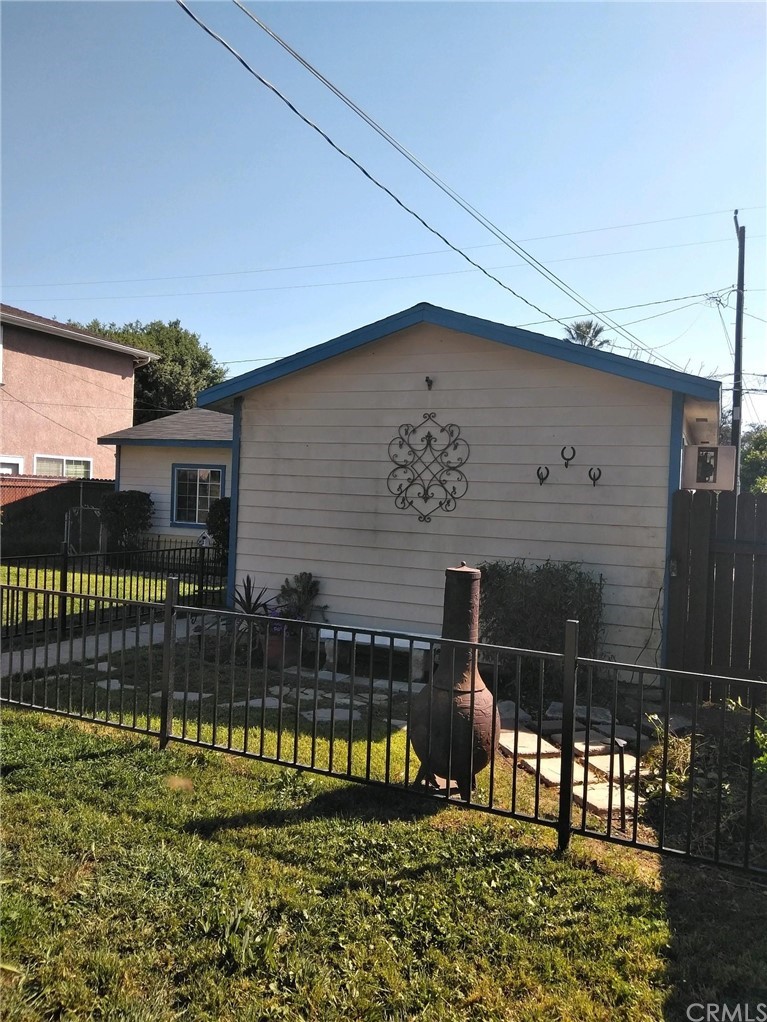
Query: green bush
x: 218, y: 522
x: 526, y: 606
x: 126, y: 514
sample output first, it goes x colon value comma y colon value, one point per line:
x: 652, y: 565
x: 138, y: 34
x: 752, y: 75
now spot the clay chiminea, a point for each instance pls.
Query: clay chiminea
x: 454, y: 723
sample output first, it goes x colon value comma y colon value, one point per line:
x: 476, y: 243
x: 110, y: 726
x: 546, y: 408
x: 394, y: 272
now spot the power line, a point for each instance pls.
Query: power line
x: 371, y: 259
x: 442, y: 185
x: 351, y: 159
x: 48, y: 417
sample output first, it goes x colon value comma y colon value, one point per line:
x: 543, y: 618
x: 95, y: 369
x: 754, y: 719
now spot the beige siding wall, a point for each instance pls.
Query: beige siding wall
x: 314, y: 468
x: 150, y: 469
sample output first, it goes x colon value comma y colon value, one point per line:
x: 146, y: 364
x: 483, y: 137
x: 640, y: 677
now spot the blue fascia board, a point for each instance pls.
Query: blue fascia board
x: 514, y: 337
x: 128, y: 442
x: 234, y: 502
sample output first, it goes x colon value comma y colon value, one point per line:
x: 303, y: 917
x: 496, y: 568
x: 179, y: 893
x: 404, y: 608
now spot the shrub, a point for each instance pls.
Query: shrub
x: 527, y: 605
x: 126, y: 514
x: 218, y: 522
x: 298, y: 597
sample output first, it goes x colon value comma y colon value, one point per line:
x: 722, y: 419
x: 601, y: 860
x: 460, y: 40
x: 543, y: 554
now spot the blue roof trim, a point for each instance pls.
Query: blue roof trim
x: 514, y: 337
x: 165, y: 443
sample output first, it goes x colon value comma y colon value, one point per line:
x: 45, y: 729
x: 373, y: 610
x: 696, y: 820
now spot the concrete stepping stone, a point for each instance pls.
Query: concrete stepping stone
x: 598, y: 797
x: 580, y: 736
x: 397, y: 725
x: 507, y: 709
x: 307, y: 675
x: 602, y: 764
x: 526, y: 743
x: 190, y: 697
x: 550, y: 727
x: 398, y: 687
x: 550, y: 771
x: 112, y: 684
x: 269, y: 703
x: 599, y: 714
x: 678, y: 724
x: 623, y: 731
x: 103, y: 666
x: 597, y: 746
x: 325, y: 715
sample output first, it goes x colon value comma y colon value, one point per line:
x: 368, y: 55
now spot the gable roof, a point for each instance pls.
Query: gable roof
x: 196, y: 427
x: 29, y: 321
x: 514, y: 337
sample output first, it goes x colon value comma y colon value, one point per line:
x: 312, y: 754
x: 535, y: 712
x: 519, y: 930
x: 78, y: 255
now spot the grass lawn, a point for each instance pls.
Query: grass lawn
x: 118, y: 585
x: 142, y: 885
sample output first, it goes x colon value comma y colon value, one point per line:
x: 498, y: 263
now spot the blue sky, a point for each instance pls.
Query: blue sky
x: 146, y: 175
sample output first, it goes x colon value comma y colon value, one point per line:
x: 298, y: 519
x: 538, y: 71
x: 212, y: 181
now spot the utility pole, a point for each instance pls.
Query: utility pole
x: 737, y: 386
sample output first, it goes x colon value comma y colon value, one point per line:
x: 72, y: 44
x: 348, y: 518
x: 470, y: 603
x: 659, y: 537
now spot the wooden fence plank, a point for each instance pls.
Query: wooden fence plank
x: 743, y: 581
x: 722, y: 593
x: 759, y: 615
x: 701, y: 509
x: 679, y: 549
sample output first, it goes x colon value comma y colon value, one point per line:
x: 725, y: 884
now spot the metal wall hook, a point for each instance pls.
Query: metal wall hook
x: 595, y: 474
x: 567, y: 458
x: 429, y: 382
x: 542, y: 473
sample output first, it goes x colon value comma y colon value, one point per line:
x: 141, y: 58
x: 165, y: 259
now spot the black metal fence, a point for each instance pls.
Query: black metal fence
x: 134, y: 576
x: 584, y: 746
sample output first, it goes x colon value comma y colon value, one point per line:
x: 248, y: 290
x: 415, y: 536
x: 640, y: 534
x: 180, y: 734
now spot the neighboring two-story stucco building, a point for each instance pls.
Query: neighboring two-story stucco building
x: 60, y: 389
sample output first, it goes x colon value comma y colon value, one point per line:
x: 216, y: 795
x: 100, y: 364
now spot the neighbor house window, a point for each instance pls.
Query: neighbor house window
x: 195, y: 487
x: 10, y: 465
x: 67, y: 468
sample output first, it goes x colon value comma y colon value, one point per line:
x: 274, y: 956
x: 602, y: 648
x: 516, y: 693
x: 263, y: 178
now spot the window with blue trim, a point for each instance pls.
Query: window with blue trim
x: 195, y: 487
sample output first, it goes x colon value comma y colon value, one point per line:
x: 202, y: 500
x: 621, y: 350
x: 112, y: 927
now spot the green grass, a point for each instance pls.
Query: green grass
x: 148, y: 886
x: 121, y: 585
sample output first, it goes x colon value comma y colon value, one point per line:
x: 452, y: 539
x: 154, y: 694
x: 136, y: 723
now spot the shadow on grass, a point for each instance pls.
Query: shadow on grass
x: 354, y: 802
x: 717, y: 953
x: 6, y: 769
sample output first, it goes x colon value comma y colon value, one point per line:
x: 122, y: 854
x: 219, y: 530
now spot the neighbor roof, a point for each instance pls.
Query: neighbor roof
x: 28, y: 320
x: 565, y: 351
x: 197, y: 427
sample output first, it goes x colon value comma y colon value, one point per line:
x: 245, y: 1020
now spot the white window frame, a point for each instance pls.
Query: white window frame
x: 16, y: 459
x: 176, y: 467
x: 65, y: 458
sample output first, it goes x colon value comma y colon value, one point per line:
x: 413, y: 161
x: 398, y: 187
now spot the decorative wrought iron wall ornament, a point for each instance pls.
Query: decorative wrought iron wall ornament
x: 595, y: 474
x: 543, y: 474
x: 428, y: 459
x: 429, y: 382
x: 567, y: 458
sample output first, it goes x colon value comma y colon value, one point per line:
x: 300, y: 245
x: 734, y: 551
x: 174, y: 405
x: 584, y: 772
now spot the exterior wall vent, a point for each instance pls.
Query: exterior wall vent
x: 708, y: 467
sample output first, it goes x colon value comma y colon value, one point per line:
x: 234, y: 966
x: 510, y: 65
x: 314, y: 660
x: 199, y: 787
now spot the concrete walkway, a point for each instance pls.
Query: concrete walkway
x: 88, y: 647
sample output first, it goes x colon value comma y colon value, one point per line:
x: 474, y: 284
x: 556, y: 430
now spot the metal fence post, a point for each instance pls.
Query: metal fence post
x: 63, y: 587
x: 564, y: 826
x: 201, y: 576
x: 168, y: 660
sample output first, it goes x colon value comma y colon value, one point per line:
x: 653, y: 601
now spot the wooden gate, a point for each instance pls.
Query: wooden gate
x: 717, y: 598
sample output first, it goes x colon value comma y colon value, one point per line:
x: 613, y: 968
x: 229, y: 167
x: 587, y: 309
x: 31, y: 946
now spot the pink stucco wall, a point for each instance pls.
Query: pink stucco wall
x: 58, y: 396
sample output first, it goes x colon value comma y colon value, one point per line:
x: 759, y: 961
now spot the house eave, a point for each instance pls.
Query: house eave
x: 222, y: 395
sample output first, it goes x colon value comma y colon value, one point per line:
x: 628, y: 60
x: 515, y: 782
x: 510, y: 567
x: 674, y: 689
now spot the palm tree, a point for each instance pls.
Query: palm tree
x: 588, y: 333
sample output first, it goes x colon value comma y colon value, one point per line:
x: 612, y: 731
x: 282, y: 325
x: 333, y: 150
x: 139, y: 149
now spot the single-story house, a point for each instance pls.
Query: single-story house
x: 183, y: 461
x: 381, y: 457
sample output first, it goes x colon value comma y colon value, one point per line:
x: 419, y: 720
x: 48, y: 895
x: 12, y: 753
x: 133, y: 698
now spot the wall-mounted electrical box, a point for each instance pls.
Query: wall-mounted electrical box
x: 708, y: 467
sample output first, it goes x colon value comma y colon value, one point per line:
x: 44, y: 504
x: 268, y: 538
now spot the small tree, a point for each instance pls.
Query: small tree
x: 126, y: 514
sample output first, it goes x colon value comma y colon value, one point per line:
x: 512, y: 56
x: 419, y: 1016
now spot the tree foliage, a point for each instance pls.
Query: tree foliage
x: 588, y: 333
x: 170, y: 383
x: 753, y: 460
